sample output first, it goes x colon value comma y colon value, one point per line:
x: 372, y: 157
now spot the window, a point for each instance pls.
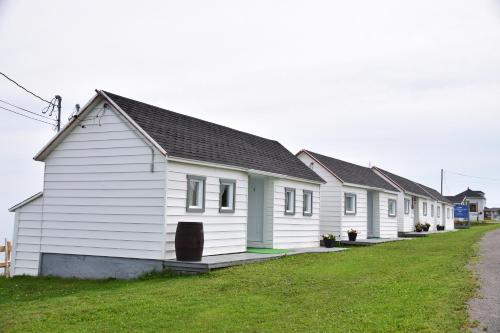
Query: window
x: 227, y: 195
x: 289, y: 201
x: 432, y: 210
x: 448, y: 213
x: 195, y: 194
x: 473, y: 207
x: 438, y: 212
x: 350, y: 204
x: 308, y: 202
x: 424, y: 208
x: 407, y: 206
x: 392, y: 207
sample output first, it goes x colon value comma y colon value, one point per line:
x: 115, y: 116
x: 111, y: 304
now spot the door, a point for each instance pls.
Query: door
x: 370, y: 214
x: 255, y: 225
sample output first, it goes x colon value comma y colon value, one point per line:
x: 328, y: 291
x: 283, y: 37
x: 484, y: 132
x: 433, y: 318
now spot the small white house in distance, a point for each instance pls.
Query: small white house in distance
x: 476, y: 201
x: 353, y: 197
x: 419, y: 204
x: 121, y: 175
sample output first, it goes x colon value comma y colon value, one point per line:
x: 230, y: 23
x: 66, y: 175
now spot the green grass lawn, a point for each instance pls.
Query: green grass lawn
x: 416, y: 285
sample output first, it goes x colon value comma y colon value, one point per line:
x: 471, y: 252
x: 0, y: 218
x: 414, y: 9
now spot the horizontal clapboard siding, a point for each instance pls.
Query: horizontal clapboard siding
x: 388, y: 225
x: 100, y: 196
x: 359, y: 221
x: 224, y: 232
x: 26, y: 240
x: 330, y: 214
x: 295, y: 231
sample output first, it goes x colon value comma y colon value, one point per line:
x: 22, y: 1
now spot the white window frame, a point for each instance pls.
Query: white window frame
x: 389, y: 202
x: 438, y: 211
x: 424, y: 208
x: 407, y: 206
x: 200, y: 208
x: 432, y: 210
x: 355, y: 202
x: 287, y: 198
x: 448, y: 210
x: 307, y: 197
x: 232, y: 186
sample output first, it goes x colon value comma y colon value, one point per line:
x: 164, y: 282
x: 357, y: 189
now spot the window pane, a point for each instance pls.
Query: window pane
x: 225, y: 196
x: 194, y: 187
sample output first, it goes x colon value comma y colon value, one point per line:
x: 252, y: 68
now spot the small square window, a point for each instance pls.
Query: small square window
x: 308, y: 203
x: 424, y: 208
x: 407, y: 206
x: 473, y: 207
x: 350, y: 204
x: 195, y: 194
x: 289, y: 201
x: 392, y: 207
x: 227, y: 196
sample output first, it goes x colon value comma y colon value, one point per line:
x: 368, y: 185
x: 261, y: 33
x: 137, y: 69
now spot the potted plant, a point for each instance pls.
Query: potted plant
x: 329, y: 240
x: 352, y: 234
x: 418, y: 227
x: 440, y: 227
x: 426, y: 226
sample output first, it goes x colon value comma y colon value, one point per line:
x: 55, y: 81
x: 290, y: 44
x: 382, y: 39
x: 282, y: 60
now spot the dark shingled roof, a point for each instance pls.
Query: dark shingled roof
x: 435, y: 194
x: 191, y: 138
x: 467, y: 193
x: 352, y: 173
x: 406, y: 184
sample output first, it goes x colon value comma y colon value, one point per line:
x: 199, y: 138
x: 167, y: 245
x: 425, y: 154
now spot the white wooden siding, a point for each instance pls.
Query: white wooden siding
x: 388, y: 226
x: 359, y: 221
x: 330, y: 201
x: 26, y: 238
x: 100, y: 196
x: 268, y: 232
x: 224, y: 232
x: 295, y: 231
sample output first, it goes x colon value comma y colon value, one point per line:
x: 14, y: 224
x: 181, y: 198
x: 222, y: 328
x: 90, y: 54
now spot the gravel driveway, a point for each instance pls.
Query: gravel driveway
x: 485, y: 309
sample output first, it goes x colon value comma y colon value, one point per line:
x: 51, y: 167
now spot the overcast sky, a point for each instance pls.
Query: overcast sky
x: 410, y: 86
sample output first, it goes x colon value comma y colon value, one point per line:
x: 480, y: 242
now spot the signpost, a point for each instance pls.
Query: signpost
x: 461, y: 214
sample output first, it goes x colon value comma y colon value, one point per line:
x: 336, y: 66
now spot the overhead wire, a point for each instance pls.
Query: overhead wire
x: 25, y: 89
x: 18, y: 113
x: 470, y: 176
x: 20, y: 108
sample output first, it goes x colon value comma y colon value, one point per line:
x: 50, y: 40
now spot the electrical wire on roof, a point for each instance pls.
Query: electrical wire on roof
x: 20, y: 114
x: 20, y: 108
x: 27, y: 90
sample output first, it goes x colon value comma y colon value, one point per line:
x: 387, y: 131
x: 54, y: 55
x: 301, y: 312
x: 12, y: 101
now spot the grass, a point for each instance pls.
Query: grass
x: 419, y: 285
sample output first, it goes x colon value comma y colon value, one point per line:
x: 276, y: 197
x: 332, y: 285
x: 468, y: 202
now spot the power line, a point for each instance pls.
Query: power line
x: 464, y: 175
x: 42, y: 121
x: 20, y: 108
x: 28, y: 91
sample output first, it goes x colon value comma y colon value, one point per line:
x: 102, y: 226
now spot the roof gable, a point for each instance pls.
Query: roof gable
x: 466, y: 194
x: 195, y: 139
x: 352, y: 173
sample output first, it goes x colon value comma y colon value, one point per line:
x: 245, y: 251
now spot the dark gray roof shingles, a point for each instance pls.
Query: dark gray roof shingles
x: 352, y: 173
x: 192, y: 138
x: 406, y: 184
x: 465, y: 194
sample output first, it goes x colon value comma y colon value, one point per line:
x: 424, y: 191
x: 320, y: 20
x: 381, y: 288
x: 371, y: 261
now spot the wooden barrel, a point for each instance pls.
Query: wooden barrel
x: 189, y: 240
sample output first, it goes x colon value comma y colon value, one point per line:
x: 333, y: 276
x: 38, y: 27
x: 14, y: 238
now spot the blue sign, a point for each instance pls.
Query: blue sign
x: 461, y: 211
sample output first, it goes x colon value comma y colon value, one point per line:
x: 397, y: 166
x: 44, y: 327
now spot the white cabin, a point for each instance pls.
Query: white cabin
x: 121, y: 175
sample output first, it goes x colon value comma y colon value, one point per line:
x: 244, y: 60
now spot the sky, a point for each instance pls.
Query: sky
x: 409, y: 86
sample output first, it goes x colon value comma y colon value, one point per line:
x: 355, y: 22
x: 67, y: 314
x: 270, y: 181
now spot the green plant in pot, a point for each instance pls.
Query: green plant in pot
x: 419, y: 227
x: 352, y: 234
x: 329, y: 240
x: 426, y: 226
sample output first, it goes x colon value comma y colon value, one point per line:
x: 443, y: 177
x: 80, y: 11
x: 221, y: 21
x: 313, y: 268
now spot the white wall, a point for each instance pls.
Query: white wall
x: 100, y: 196
x: 224, y: 232
x: 295, y: 231
x: 408, y: 220
x: 331, y: 198
x: 421, y: 217
x: 359, y: 221
x: 388, y: 225
x: 26, y: 239
x: 481, y: 203
x: 268, y: 231
x: 448, y: 219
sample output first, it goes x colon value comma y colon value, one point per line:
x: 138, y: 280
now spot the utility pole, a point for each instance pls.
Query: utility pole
x: 59, y: 99
x: 442, y: 172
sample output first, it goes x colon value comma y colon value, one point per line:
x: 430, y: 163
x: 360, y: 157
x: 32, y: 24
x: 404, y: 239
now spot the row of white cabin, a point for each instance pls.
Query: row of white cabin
x: 121, y: 175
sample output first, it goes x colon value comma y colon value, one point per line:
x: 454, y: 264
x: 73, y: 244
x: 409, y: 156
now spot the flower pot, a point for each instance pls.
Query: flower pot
x: 426, y: 228
x: 352, y: 237
x: 189, y: 241
x: 329, y: 243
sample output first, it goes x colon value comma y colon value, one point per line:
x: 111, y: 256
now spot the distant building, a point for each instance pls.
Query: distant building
x: 474, y: 199
x: 491, y: 213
